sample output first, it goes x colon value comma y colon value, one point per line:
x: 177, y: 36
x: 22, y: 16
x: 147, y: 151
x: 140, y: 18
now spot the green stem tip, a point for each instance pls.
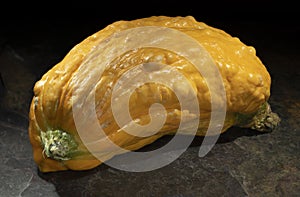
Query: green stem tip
x: 58, y: 144
x: 263, y: 120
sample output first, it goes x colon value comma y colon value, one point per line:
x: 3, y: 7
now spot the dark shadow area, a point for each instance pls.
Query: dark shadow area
x: 234, y: 133
x: 63, y: 177
x: 230, y: 135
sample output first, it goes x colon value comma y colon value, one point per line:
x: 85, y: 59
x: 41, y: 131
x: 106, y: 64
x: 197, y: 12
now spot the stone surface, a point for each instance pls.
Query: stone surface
x: 242, y: 163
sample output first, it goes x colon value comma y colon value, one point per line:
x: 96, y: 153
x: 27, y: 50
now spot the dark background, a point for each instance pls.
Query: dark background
x: 86, y: 17
x: 36, y: 36
x: 258, y: 23
x: 263, y: 24
x: 42, y: 33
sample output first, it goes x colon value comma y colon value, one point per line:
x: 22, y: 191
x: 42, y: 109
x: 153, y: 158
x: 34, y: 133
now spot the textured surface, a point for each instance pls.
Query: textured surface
x: 68, y: 87
x: 242, y: 163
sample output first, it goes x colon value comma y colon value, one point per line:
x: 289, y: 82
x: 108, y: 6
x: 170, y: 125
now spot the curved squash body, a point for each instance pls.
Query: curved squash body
x: 53, y: 132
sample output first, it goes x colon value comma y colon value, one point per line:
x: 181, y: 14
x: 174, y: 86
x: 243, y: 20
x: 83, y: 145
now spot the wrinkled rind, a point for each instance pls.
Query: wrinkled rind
x: 246, y: 81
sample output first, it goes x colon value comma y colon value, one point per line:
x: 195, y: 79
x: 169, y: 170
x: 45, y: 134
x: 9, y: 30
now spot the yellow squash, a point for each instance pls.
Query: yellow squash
x: 54, y: 135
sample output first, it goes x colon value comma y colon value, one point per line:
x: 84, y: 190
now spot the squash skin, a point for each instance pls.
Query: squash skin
x: 246, y: 80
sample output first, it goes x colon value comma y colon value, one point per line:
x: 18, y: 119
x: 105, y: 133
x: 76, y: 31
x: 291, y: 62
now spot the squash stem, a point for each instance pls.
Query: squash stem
x: 58, y: 144
x: 264, y: 120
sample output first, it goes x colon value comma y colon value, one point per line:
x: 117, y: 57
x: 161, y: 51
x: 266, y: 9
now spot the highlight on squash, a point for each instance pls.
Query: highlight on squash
x: 149, y: 126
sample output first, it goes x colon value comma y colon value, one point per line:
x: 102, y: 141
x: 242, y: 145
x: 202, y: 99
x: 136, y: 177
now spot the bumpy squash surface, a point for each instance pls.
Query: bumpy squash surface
x: 52, y: 130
